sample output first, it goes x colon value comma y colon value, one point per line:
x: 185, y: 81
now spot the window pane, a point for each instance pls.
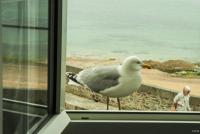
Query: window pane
x: 164, y: 34
x: 1, y: 104
x: 25, y: 61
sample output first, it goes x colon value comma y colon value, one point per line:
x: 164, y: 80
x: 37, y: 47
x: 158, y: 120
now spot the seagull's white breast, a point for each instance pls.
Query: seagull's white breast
x: 127, y: 84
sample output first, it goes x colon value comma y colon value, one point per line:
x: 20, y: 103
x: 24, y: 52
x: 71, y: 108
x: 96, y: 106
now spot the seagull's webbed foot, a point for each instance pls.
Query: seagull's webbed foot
x: 94, y: 97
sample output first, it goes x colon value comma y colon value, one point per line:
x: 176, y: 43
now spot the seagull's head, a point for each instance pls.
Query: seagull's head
x: 132, y: 63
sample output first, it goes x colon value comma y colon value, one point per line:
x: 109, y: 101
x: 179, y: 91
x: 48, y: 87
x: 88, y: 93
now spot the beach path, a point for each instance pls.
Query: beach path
x: 165, y: 80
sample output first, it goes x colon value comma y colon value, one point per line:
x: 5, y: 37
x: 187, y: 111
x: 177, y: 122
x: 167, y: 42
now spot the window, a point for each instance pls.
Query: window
x: 1, y: 116
x: 99, y: 33
x: 25, y: 63
x: 31, y: 69
x: 163, y: 34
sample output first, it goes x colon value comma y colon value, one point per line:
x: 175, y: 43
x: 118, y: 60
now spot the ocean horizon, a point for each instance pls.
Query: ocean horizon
x: 156, y: 30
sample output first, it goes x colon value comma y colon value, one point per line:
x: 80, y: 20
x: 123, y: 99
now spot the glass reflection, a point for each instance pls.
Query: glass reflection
x: 25, y: 50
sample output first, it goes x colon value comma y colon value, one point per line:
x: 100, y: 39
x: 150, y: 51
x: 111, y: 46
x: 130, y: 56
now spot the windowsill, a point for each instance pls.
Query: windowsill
x: 56, y: 124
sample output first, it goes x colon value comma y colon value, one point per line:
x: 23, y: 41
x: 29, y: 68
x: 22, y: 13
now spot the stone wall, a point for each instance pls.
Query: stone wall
x: 170, y: 94
x: 155, y: 90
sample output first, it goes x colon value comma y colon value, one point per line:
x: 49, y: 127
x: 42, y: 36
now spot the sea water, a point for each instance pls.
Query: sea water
x: 150, y: 29
x: 21, y: 43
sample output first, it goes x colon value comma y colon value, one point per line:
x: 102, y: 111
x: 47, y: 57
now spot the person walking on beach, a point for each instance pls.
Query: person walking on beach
x: 181, y: 100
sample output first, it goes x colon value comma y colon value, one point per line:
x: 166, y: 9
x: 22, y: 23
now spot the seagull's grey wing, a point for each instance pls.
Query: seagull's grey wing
x: 100, y: 78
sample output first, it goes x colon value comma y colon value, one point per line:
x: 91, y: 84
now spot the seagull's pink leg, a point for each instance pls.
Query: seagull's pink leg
x: 108, y: 103
x: 118, y: 101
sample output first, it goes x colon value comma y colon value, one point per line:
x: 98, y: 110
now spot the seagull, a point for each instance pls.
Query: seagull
x: 111, y: 81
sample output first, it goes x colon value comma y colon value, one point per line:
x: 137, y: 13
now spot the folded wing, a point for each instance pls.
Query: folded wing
x: 100, y: 78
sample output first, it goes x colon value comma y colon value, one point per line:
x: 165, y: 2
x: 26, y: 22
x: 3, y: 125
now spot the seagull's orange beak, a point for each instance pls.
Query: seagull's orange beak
x: 146, y: 66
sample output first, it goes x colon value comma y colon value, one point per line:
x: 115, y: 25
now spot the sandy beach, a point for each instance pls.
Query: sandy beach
x: 150, y: 76
x: 24, y: 77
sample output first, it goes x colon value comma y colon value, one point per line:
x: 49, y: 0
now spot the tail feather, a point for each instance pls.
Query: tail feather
x: 73, y: 77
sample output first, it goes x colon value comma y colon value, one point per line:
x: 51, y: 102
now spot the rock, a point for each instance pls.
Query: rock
x: 172, y: 66
x: 173, y: 75
x: 111, y: 59
x: 152, y: 64
x: 197, y: 69
x: 182, y: 72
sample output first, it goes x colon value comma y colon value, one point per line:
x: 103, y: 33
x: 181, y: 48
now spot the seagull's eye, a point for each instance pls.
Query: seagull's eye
x: 138, y: 62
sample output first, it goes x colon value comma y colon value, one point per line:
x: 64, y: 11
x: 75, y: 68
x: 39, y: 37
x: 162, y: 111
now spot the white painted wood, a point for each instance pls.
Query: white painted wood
x: 56, y: 124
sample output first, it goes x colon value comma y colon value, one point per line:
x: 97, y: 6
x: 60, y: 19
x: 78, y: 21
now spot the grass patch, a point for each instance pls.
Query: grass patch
x: 188, y: 74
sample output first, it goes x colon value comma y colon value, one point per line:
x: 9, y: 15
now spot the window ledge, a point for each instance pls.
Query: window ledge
x: 56, y: 124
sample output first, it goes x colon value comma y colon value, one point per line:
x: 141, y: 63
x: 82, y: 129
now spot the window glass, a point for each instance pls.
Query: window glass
x: 164, y: 35
x: 1, y: 104
x: 25, y: 63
